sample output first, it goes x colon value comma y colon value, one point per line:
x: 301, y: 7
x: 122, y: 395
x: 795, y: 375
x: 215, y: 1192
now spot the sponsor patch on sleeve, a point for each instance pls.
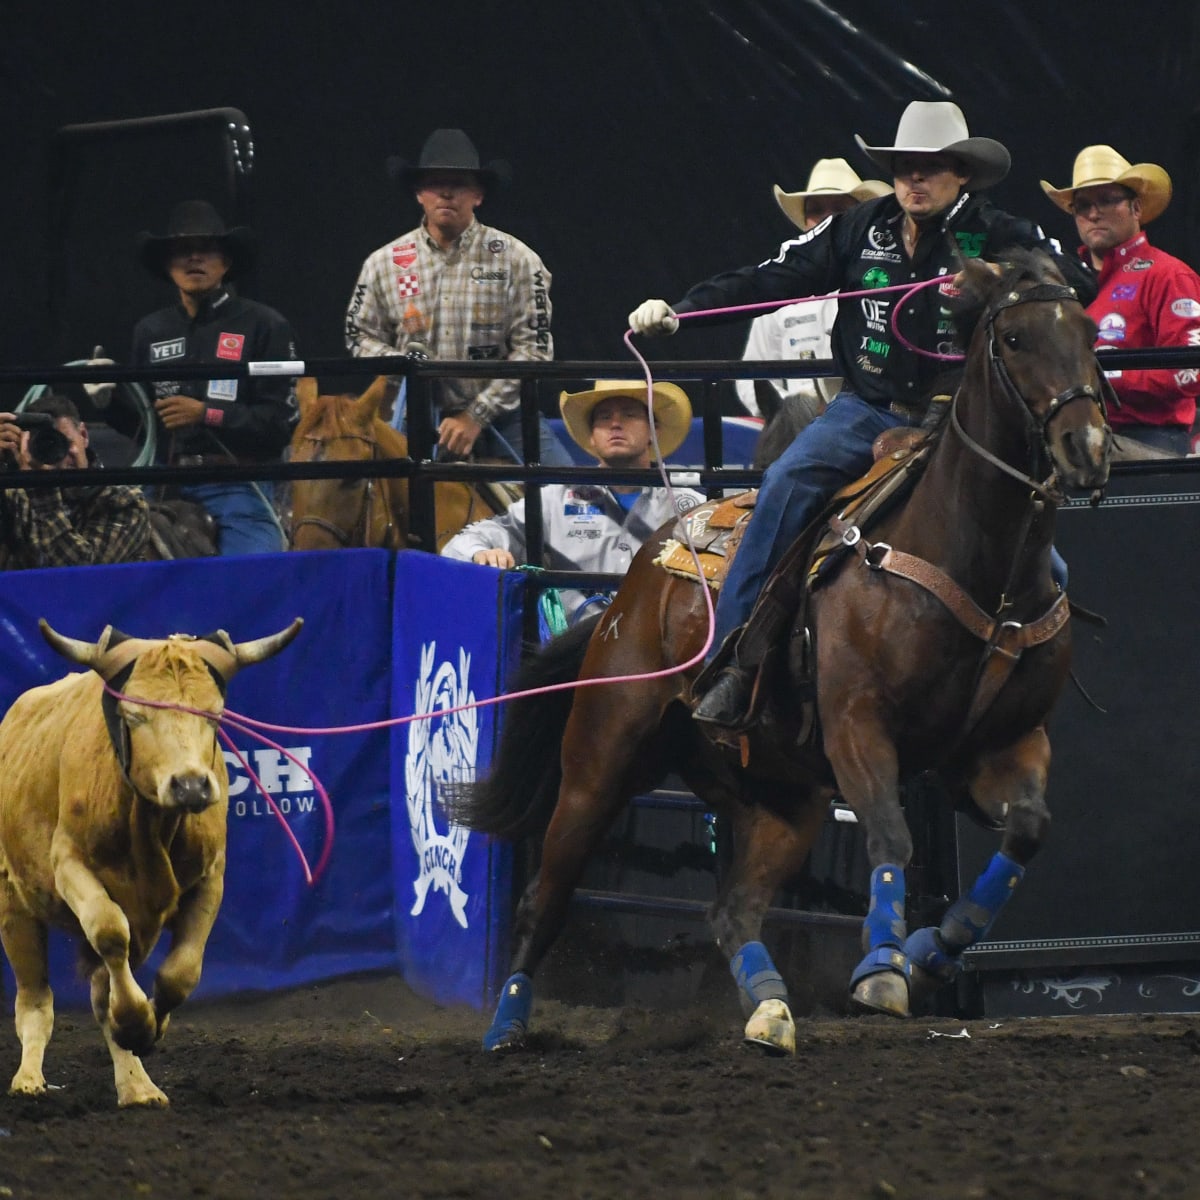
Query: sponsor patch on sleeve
x: 1185, y: 307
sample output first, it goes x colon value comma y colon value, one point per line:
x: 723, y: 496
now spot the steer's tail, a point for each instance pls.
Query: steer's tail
x: 518, y: 795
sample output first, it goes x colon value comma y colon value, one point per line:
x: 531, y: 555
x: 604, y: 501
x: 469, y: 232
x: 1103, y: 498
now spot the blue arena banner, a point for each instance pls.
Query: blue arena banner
x: 456, y: 628
x: 274, y: 930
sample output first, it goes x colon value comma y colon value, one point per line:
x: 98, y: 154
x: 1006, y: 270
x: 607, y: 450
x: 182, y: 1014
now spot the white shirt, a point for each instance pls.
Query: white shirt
x: 794, y: 333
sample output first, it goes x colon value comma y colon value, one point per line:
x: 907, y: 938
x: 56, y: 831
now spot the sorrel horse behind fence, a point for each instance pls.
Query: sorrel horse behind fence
x: 328, y: 514
x: 940, y: 644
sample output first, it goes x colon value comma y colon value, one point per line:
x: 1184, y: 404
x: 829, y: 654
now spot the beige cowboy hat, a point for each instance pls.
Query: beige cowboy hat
x: 939, y: 127
x: 829, y: 177
x: 1097, y: 165
x: 672, y: 411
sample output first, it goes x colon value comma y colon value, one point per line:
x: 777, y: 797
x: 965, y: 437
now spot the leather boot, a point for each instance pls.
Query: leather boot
x: 727, y: 701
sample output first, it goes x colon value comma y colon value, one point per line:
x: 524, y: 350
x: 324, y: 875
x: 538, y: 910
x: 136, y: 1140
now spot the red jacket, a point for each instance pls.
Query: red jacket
x: 1146, y: 297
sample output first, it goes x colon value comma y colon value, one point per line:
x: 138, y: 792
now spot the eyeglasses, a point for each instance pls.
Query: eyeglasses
x: 1082, y: 208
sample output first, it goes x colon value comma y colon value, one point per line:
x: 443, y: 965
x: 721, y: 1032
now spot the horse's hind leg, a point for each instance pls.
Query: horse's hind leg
x: 607, y: 756
x: 1013, y: 782
x: 767, y: 850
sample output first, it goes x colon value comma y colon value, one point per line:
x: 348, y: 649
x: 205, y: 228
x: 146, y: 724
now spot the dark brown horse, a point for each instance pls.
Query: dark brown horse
x: 940, y: 643
x: 328, y: 514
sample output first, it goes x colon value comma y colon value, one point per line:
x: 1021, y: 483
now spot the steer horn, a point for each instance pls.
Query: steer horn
x: 228, y: 656
x: 113, y: 651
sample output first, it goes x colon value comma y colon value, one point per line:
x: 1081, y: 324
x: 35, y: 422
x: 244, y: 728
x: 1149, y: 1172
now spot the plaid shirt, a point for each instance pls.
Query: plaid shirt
x: 486, y: 297
x: 49, y: 527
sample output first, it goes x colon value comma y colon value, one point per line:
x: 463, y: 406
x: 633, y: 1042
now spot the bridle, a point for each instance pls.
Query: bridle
x: 1037, y: 433
x: 356, y: 535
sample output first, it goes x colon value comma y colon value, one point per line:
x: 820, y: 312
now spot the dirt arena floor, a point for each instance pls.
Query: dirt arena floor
x: 358, y: 1089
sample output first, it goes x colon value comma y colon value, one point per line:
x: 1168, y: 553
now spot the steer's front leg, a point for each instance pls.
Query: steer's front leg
x: 129, y: 1013
x: 193, y: 922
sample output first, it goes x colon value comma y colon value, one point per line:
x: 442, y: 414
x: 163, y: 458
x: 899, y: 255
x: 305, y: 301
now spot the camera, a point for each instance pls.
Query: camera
x: 47, y: 444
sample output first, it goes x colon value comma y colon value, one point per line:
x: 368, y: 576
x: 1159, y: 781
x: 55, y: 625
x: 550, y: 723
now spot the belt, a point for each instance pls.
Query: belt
x: 203, y: 460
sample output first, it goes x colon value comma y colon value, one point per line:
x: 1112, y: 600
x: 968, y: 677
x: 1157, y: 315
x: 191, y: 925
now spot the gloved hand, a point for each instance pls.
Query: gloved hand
x: 653, y: 318
x: 99, y: 393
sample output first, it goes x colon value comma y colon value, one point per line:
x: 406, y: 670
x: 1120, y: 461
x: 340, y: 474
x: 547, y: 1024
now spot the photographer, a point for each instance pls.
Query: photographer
x: 62, y: 527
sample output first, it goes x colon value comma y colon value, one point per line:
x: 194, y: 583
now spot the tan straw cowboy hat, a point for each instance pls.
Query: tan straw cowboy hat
x: 672, y: 411
x: 1098, y: 165
x: 939, y: 127
x: 829, y: 177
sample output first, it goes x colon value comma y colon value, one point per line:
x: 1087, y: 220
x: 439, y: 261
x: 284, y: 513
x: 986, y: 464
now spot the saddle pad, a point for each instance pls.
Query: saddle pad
x: 716, y: 531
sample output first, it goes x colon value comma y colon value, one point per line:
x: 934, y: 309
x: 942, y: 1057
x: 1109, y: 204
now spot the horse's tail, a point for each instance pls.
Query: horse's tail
x: 519, y: 792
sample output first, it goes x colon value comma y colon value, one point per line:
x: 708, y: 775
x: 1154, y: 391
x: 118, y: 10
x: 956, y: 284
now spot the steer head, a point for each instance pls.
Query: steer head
x: 170, y: 757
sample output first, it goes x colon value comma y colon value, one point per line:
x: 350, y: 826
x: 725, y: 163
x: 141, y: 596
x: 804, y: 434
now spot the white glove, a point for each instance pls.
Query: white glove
x: 99, y: 393
x: 653, y: 318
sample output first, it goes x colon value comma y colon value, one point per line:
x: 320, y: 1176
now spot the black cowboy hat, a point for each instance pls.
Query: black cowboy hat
x: 449, y: 150
x: 196, y: 219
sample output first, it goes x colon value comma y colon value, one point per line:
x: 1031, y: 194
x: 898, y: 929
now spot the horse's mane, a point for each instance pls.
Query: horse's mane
x: 327, y: 416
x: 1018, y: 264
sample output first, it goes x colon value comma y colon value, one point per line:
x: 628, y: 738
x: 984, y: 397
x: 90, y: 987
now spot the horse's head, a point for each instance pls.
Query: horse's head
x: 1034, y: 336
x: 332, y: 513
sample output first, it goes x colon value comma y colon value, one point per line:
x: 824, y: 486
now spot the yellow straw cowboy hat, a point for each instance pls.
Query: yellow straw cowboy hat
x: 829, y: 177
x: 672, y: 411
x: 939, y: 127
x: 1098, y: 165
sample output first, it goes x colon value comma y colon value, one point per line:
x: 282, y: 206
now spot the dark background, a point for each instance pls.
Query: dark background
x: 644, y: 136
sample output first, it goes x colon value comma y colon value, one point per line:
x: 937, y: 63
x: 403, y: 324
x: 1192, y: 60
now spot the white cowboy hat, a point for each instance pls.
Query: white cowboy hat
x: 829, y: 177
x: 672, y: 411
x: 1097, y: 165
x: 939, y: 127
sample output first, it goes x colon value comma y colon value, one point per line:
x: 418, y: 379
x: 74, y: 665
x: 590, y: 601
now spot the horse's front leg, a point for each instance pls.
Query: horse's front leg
x: 864, y: 762
x: 767, y: 850
x: 1013, y: 782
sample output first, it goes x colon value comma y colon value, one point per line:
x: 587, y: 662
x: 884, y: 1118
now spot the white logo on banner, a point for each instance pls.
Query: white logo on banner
x: 440, y: 751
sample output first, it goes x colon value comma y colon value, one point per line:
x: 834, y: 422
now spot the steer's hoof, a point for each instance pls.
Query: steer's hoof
x: 772, y: 1028
x: 883, y: 992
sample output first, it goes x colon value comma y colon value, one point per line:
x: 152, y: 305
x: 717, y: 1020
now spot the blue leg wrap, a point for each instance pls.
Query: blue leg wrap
x: 756, y: 976
x: 884, y: 925
x: 512, y: 1014
x: 969, y: 918
x: 925, y: 949
x: 884, y: 928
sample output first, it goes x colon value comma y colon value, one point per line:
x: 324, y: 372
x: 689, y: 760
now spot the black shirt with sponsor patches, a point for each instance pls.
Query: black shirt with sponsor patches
x: 250, y: 419
x: 862, y: 250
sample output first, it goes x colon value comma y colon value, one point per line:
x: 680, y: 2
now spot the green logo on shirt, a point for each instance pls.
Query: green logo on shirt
x: 970, y: 244
x: 877, y: 277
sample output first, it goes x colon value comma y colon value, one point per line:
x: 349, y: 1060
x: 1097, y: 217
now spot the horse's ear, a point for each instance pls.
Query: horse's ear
x: 768, y: 399
x: 306, y: 392
x: 378, y: 397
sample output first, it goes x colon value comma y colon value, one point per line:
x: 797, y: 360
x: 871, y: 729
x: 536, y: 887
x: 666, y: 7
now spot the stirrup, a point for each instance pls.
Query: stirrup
x: 728, y: 702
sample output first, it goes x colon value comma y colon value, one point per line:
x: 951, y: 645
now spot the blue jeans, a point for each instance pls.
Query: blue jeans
x: 834, y: 450
x: 245, y: 523
x: 1174, y: 439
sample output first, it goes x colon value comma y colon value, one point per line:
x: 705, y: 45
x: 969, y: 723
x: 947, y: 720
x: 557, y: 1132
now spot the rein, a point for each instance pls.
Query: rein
x: 1004, y: 640
x: 1045, y: 292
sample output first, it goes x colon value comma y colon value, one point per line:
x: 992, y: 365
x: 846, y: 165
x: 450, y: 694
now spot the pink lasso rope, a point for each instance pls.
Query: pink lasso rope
x: 250, y: 726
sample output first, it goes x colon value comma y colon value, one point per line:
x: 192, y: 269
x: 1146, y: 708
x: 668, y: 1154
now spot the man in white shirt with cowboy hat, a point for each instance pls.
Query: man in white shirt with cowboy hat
x: 800, y: 332
x: 595, y: 526
x: 921, y: 232
x: 1145, y: 296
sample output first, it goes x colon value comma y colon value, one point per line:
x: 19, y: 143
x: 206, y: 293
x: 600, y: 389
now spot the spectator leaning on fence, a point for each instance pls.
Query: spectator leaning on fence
x: 594, y: 526
x: 453, y: 288
x: 217, y: 421
x: 64, y: 527
x: 1145, y: 296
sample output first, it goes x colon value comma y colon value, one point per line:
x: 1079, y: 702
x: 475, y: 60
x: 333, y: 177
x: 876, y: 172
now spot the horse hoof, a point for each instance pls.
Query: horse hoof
x: 772, y: 1028
x: 505, y: 1037
x: 884, y: 992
